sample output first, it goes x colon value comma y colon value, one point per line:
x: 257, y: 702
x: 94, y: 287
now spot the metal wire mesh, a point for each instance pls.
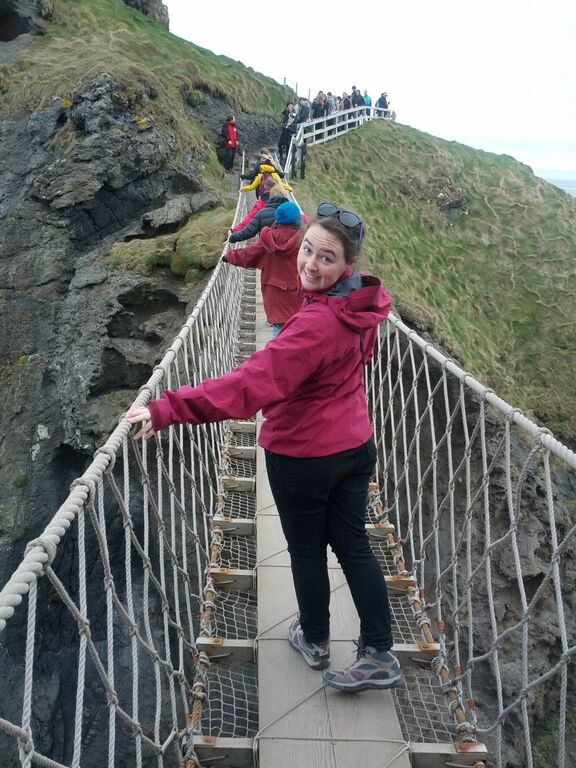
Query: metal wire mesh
x: 240, y: 505
x: 238, y: 552
x: 232, y: 706
x: 236, y: 616
x: 421, y: 708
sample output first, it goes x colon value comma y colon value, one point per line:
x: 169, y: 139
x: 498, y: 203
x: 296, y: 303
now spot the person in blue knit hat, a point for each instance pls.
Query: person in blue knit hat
x: 275, y: 254
x: 288, y: 213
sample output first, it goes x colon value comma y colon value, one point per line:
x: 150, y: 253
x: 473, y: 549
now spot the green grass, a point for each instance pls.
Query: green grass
x: 188, y: 253
x: 495, y: 286
x: 156, y: 70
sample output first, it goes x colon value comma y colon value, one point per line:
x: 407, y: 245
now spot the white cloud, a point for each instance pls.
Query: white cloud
x: 502, y: 71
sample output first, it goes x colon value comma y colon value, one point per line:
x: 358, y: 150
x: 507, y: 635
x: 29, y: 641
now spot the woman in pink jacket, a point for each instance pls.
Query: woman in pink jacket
x: 318, y: 440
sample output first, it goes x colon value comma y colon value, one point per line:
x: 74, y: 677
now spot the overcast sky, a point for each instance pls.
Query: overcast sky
x: 498, y: 75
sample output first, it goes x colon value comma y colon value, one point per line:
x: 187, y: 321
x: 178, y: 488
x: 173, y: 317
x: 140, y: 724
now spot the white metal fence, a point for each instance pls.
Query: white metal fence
x: 324, y: 129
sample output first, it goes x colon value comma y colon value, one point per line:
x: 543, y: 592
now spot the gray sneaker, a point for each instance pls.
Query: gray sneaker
x: 372, y: 669
x: 316, y: 655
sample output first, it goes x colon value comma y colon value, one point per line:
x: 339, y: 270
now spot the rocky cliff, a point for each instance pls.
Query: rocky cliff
x: 80, y: 338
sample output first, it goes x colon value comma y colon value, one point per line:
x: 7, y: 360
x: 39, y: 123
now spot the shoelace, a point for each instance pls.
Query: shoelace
x: 360, y: 648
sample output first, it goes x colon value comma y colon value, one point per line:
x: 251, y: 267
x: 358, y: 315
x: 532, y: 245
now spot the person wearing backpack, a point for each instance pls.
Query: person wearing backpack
x: 382, y: 102
x: 263, y: 218
x: 230, y: 136
x: 262, y: 173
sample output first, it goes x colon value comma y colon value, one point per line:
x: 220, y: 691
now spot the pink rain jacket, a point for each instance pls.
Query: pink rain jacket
x: 274, y: 253
x: 308, y: 382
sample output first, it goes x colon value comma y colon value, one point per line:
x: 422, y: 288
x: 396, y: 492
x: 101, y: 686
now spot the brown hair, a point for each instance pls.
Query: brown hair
x: 276, y: 191
x: 265, y: 154
x: 350, y: 238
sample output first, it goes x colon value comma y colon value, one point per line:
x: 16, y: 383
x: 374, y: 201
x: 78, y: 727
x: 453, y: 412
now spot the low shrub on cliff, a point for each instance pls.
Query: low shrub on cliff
x: 188, y: 253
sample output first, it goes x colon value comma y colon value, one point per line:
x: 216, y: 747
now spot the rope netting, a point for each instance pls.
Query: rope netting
x: 482, y: 504
x: 105, y: 668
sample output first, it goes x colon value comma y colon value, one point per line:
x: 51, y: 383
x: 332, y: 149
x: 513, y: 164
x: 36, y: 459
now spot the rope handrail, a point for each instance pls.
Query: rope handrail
x: 542, y: 434
x: 459, y: 470
x: 477, y: 503
x: 39, y: 552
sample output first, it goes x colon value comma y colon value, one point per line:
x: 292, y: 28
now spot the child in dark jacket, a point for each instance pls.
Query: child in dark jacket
x: 263, y: 218
x: 274, y: 253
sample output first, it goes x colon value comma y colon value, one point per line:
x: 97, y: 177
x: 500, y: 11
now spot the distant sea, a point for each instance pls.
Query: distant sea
x: 568, y: 185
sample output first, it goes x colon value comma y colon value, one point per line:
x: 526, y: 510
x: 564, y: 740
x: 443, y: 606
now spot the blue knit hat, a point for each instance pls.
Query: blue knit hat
x: 287, y: 213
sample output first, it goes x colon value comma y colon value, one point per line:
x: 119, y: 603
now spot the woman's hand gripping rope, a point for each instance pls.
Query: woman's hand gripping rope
x: 141, y: 414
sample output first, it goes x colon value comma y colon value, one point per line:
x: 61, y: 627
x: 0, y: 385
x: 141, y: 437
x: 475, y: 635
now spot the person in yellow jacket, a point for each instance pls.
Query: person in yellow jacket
x: 263, y: 171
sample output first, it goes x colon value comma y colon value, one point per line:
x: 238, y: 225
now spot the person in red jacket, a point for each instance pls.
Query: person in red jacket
x: 230, y: 137
x: 275, y: 253
x: 318, y: 441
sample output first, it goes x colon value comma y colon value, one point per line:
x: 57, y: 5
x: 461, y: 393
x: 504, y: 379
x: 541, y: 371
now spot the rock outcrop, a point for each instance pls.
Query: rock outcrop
x: 76, y: 333
x: 155, y: 9
x: 80, y: 338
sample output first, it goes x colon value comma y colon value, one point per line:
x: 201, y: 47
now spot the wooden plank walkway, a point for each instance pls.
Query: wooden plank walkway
x: 301, y: 721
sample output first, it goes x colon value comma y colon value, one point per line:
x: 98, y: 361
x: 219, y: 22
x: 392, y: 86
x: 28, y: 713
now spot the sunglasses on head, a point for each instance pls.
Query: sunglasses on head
x: 346, y: 218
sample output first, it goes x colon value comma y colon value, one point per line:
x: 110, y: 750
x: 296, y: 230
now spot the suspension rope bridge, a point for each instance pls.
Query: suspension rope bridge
x: 155, y: 621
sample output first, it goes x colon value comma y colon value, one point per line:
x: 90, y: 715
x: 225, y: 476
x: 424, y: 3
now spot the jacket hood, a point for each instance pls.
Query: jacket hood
x: 359, y: 301
x: 283, y: 239
x: 265, y: 168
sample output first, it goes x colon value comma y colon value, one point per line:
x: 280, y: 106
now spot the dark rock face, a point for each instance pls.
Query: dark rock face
x: 155, y: 9
x: 74, y: 331
x: 254, y: 131
x: 79, y: 338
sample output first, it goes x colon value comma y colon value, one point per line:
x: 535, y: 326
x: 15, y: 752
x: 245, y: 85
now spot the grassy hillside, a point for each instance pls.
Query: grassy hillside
x: 472, y: 246
x: 87, y: 37
x: 495, y: 285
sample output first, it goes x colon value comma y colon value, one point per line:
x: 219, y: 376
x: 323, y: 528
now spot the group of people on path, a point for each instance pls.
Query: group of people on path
x: 323, y: 105
x: 308, y: 381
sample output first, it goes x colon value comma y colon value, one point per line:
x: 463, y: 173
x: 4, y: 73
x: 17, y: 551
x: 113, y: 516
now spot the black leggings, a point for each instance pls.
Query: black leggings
x: 322, y: 501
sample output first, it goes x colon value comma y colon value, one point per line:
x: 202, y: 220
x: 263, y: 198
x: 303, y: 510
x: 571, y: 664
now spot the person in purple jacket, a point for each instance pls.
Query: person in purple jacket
x: 318, y: 441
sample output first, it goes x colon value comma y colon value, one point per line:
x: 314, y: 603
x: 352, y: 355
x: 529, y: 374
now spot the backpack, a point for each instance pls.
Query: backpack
x: 266, y: 182
x: 224, y: 132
